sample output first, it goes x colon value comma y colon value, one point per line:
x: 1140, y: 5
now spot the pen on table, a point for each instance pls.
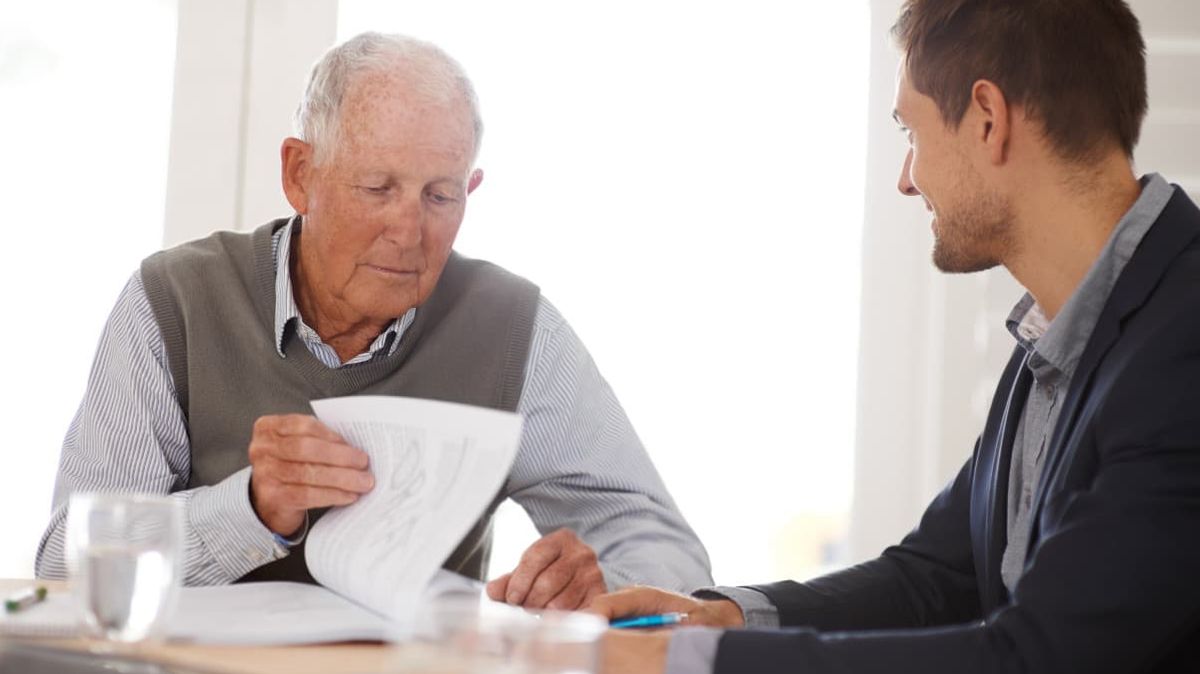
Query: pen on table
x: 660, y: 620
x: 24, y: 599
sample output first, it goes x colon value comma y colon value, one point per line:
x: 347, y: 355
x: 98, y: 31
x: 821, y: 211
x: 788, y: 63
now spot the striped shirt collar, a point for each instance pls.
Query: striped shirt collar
x: 287, y: 313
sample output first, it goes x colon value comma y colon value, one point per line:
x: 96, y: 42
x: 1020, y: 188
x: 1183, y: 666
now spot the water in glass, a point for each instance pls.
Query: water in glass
x: 124, y: 553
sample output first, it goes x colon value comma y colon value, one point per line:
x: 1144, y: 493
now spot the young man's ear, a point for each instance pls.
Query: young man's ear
x: 990, y: 117
x: 296, y: 160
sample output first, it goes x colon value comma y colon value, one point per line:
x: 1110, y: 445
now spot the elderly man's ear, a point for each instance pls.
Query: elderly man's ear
x: 296, y: 158
x: 474, y: 180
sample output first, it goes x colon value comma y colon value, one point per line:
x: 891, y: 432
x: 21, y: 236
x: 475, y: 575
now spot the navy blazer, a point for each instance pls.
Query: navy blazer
x: 1112, y: 578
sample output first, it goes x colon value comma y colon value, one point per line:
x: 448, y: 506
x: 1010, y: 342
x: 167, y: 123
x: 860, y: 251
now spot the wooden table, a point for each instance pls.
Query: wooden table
x: 319, y: 659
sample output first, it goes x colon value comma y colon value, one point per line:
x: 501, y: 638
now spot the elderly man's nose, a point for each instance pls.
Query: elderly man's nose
x: 906, y: 186
x: 404, y: 225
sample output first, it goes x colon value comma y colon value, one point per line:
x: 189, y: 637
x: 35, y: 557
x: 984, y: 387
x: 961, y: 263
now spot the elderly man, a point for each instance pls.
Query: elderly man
x: 1067, y: 544
x: 204, y: 372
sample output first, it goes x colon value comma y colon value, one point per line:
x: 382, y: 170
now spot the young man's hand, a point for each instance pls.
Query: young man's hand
x: 641, y: 601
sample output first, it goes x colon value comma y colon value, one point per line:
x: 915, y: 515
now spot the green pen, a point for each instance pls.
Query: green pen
x: 24, y: 599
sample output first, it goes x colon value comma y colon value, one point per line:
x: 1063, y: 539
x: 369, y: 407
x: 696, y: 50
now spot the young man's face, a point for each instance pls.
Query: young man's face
x: 972, y: 223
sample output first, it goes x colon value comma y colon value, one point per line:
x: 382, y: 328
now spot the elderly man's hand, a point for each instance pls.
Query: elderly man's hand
x: 557, y: 572
x: 627, y: 652
x: 297, y: 463
x: 641, y: 601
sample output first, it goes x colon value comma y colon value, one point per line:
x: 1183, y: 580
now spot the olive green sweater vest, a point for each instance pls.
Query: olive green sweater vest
x: 214, y: 301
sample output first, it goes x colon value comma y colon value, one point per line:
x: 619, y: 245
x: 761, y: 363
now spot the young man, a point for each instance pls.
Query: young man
x: 1069, y: 541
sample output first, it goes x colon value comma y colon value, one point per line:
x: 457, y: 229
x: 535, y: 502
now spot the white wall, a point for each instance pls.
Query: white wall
x: 83, y: 155
x: 684, y: 180
x: 240, y: 66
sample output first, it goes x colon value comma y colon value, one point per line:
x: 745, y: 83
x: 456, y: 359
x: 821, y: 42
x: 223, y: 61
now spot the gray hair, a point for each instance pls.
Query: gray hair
x: 434, y: 73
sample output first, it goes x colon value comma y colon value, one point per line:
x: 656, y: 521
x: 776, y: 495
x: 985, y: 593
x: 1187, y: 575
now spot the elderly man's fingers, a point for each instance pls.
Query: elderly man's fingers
x: 308, y: 497
x: 280, y: 506
x: 587, y: 580
x: 316, y: 475
x: 586, y: 584
x: 307, y: 449
x: 296, y: 424
x: 497, y: 587
x: 549, y: 583
x: 323, y: 446
x: 536, y: 559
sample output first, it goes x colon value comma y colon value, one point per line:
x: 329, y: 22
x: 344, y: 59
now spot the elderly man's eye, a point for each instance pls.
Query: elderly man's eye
x: 374, y: 189
x: 439, y: 198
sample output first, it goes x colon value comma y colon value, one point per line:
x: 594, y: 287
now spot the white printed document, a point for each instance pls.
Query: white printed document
x: 283, y: 614
x: 437, y: 467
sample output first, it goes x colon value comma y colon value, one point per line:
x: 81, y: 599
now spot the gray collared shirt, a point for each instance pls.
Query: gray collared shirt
x: 1055, y: 347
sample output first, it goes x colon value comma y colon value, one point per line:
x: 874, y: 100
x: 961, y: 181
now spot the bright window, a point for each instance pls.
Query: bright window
x: 685, y: 182
x: 84, y: 132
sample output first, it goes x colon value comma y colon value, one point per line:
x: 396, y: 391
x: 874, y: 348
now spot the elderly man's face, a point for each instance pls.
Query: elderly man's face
x: 382, y: 211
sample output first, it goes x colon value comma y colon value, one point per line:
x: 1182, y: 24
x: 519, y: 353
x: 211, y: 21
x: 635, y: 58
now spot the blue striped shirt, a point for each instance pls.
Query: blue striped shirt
x: 580, y: 464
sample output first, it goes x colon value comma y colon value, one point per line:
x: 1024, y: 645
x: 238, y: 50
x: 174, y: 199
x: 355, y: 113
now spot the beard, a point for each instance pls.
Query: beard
x: 976, y: 235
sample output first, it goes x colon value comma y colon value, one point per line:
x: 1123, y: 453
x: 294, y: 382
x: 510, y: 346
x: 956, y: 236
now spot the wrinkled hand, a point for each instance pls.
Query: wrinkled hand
x: 297, y: 463
x: 629, y: 652
x: 640, y: 601
x: 558, y: 572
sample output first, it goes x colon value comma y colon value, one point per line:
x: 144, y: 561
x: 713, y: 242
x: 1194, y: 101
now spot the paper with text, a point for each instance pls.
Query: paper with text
x: 272, y: 613
x: 437, y: 467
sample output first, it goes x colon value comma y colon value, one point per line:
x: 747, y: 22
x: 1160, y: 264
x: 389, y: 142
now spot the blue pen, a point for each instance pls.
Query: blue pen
x: 660, y: 620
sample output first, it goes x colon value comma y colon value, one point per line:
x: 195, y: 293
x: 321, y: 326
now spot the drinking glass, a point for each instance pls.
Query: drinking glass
x: 565, y: 642
x: 124, y: 553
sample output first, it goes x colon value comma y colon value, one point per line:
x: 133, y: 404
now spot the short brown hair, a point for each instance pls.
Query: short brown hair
x: 1076, y: 66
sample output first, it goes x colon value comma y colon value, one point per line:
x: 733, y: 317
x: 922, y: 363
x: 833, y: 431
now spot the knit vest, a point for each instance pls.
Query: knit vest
x: 214, y: 302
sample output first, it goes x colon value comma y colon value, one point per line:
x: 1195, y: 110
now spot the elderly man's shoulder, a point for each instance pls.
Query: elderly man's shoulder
x: 480, y: 274
x: 221, y: 244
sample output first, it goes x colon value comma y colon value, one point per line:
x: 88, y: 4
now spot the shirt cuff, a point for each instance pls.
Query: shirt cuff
x: 296, y: 538
x: 693, y: 650
x: 757, y: 608
x: 222, y: 517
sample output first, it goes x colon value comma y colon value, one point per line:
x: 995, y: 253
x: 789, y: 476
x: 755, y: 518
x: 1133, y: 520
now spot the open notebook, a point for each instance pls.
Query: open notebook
x: 437, y: 466
x: 260, y: 614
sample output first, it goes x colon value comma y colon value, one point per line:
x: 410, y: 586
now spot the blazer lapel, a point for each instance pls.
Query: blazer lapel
x: 1175, y: 228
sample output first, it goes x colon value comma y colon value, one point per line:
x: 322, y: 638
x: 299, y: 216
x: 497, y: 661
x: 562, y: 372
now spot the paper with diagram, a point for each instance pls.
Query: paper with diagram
x: 437, y: 466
